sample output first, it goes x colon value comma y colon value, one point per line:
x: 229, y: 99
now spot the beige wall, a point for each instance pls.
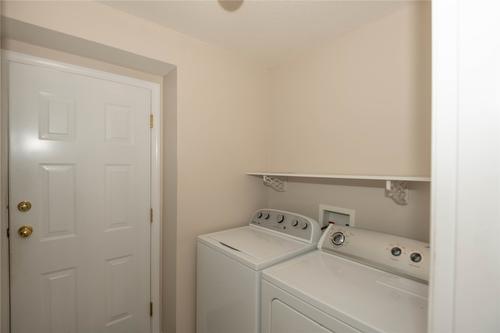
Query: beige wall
x: 222, y: 101
x: 373, y: 209
x: 329, y: 110
x: 360, y: 104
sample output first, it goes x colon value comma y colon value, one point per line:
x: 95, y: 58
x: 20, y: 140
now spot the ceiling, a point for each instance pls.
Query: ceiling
x: 266, y: 30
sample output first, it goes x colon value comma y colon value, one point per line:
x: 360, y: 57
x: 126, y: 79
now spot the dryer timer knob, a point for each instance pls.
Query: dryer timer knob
x: 338, y: 238
x: 396, y: 251
x: 416, y: 257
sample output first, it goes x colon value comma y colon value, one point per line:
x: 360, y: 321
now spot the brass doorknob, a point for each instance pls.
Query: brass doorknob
x: 25, y: 231
x: 24, y: 206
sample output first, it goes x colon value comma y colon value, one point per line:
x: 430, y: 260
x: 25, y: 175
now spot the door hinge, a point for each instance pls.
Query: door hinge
x: 151, y: 215
x: 151, y: 121
x: 151, y: 309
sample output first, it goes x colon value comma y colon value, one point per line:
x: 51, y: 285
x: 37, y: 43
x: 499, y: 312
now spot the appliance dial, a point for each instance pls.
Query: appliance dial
x: 259, y: 216
x: 267, y: 216
x: 304, y: 227
x: 416, y: 257
x: 396, y: 251
x: 338, y: 238
x: 295, y: 223
x: 280, y: 218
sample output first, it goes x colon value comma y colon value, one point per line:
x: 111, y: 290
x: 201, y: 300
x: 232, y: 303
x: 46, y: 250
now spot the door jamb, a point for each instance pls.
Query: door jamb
x: 155, y: 160
x: 445, y: 140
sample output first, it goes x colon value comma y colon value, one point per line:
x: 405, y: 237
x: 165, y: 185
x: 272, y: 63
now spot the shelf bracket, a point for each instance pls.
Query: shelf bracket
x: 397, y: 191
x: 276, y: 184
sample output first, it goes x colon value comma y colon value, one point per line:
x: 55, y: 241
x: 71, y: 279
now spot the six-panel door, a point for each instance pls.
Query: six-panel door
x: 80, y: 154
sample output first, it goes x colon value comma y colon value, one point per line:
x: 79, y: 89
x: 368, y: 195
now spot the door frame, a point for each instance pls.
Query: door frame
x: 445, y: 139
x: 155, y: 158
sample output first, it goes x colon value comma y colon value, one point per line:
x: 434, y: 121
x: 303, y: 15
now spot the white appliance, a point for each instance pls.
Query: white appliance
x: 230, y: 262
x: 358, y: 281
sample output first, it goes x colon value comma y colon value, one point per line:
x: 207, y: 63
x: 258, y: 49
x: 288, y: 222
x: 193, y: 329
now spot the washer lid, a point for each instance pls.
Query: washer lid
x: 366, y: 298
x: 254, y: 246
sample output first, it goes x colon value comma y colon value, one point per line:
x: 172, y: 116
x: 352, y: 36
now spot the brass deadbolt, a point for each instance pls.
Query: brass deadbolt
x: 24, y: 206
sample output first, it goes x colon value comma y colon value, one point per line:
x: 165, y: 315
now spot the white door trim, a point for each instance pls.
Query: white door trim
x: 155, y: 186
x: 445, y: 142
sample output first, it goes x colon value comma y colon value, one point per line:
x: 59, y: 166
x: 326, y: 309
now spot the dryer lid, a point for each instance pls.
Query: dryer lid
x: 256, y: 246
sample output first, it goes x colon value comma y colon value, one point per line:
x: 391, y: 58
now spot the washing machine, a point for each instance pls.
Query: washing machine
x: 357, y: 281
x: 230, y: 263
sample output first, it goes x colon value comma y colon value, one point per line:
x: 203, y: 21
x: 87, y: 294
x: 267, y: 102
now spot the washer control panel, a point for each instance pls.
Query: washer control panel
x: 396, y: 254
x: 288, y: 223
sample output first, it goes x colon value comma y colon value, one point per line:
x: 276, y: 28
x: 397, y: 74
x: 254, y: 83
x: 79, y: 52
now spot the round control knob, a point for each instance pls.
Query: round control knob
x: 259, y: 216
x: 267, y: 216
x: 304, y: 227
x: 416, y: 257
x: 396, y: 251
x: 338, y: 238
x: 295, y: 223
x: 280, y: 218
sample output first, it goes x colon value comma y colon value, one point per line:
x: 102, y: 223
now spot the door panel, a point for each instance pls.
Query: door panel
x: 57, y: 201
x: 80, y: 153
x: 59, y: 300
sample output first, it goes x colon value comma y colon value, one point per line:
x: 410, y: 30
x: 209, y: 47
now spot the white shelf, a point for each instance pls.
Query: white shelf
x: 396, y: 187
x: 354, y: 177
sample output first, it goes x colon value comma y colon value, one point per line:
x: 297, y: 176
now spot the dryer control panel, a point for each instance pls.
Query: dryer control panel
x: 391, y: 253
x: 288, y: 223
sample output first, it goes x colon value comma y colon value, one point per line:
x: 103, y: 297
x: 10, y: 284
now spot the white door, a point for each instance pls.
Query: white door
x: 80, y: 154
